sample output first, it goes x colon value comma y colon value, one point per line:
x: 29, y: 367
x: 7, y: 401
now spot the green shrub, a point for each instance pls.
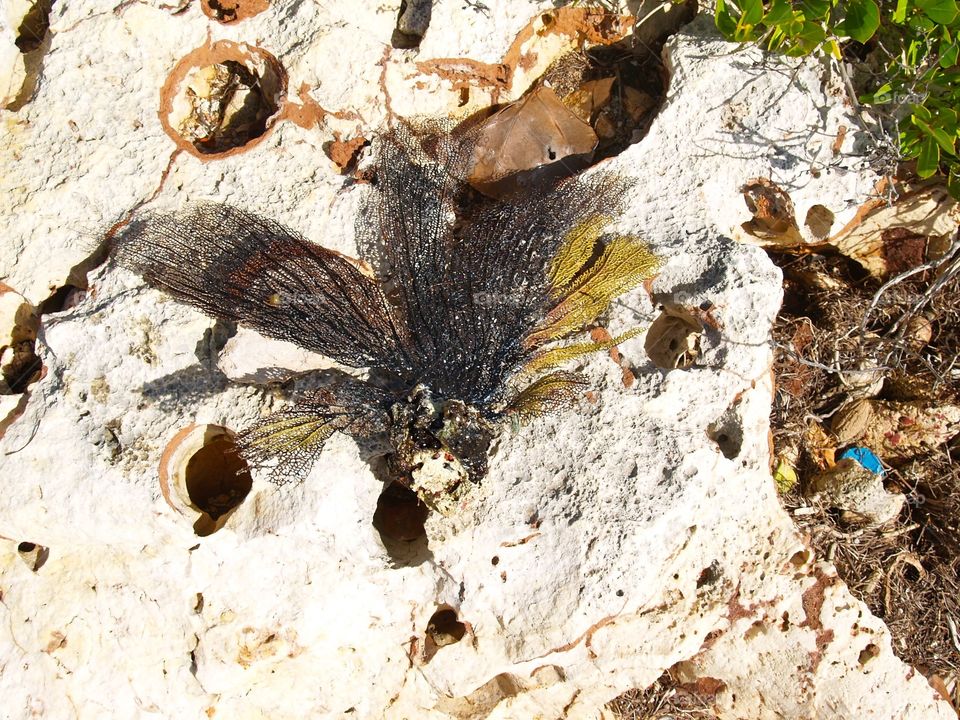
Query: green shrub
x: 921, y: 80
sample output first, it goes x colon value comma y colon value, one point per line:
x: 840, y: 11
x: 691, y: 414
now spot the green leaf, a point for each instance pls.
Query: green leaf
x: 879, y: 96
x: 752, y: 12
x: 940, y: 11
x: 900, y: 14
x: 812, y: 33
x: 780, y: 12
x: 949, y: 52
x: 862, y: 20
x: 929, y: 158
x: 943, y: 139
x: 919, y: 111
x: 724, y: 21
x: 815, y: 9
x: 921, y: 23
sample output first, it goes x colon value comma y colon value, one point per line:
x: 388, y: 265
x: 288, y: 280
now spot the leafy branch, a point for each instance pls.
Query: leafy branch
x: 919, y: 90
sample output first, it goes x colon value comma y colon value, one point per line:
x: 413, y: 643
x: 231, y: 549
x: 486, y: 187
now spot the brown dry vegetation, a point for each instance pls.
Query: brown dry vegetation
x: 907, y: 570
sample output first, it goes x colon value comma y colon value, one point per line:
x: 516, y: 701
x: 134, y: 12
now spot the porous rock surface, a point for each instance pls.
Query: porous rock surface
x: 637, y: 533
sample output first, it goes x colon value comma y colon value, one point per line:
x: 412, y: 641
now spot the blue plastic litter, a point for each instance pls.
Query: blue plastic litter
x: 864, y: 457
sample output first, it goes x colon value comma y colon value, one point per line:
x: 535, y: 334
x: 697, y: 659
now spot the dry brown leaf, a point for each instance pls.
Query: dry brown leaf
x: 821, y: 446
x: 589, y: 98
x: 891, y: 239
x: 774, y: 224
x: 852, y: 420
x: 637, y: 103
x: 534, y: 132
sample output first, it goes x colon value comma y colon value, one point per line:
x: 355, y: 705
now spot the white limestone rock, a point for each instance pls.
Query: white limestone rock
x: 637, y: 533
x: 13, y: 71
x: 249, y: 357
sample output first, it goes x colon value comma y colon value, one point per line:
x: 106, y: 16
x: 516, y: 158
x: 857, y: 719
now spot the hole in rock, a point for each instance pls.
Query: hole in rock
x: 800, y: 558
x: 673, y: 340
x: 399, y: 518
x: 710, y: 574
x: 868, y: 653
x: 63, y: 298
x: 217, y: 480
x: 727, y: 432
x: 819, y: 221
x: 34, y: 26
x: 412, y: 23
x: 33, y: 555
x: 443, y: 629
x: 222, y: 98
x: 230, y: 11
x: 618, y: 89
x: 19, y: 323
x: 203, y: 477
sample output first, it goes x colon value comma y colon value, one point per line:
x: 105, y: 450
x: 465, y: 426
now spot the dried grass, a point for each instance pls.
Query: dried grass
x: 907, y: 571
x: 664, y: 700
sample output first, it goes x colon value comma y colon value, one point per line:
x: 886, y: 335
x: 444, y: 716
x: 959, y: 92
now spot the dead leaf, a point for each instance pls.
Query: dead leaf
x: 852, y: 420
x: 589, y: 98
x: 637, y: 103
x: 838, y: 141
x: 774, y: 224
x: 533, y: 133
x: 821, y: 447
x: 891, y: 239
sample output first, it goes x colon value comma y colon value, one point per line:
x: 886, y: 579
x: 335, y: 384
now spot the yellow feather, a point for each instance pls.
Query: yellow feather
x: 549, y: 393
x: 625, y: 263
x: 575, y: 252
x: 557, y: 356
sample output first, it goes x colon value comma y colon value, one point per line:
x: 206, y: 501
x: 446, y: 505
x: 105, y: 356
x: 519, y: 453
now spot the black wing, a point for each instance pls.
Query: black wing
x: 238, y: 266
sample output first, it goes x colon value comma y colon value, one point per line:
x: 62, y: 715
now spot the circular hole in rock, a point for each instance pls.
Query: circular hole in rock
x: 217, y: 478
x: 868, y: 653
x: 400, y: 515
x: 222, y: 99
x: 444, y: 628
x: 203, y: 477
x: 819, y: 221
x: 230, y: 11
x: 33, y: 555
x: 727, y: 433
x: 673, y: 340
